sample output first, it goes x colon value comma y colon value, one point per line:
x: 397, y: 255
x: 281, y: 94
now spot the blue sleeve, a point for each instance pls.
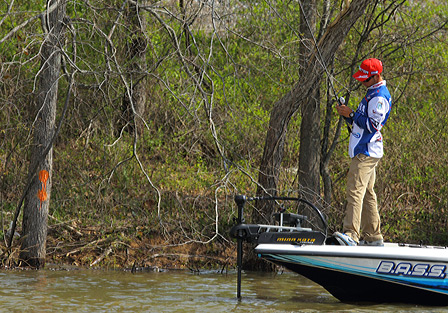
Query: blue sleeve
x: 361, y: 120
x: 376, y: 112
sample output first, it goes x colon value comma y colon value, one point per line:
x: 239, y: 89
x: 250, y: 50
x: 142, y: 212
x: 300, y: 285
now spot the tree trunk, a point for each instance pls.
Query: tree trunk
x: 35, y: 213
x: 134, y: 104
x: 309, y: 154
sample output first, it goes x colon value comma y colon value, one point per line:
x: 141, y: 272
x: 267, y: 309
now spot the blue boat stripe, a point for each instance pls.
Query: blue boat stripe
x: 426, y: 283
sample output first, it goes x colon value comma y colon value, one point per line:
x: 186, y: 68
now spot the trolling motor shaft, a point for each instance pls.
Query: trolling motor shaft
x: 292, y: 233
x: 240, y: 201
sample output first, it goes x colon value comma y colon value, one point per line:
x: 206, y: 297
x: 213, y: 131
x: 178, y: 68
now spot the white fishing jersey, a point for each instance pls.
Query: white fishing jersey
x: 369, y: 118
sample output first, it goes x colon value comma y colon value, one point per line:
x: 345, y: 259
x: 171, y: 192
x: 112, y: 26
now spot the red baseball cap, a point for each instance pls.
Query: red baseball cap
x: 368, y: 68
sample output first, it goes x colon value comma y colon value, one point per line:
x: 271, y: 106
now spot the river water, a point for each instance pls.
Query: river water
x: 83, y: 290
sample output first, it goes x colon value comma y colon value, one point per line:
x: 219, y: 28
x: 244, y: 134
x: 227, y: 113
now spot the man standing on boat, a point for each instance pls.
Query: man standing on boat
x: 365, y: 150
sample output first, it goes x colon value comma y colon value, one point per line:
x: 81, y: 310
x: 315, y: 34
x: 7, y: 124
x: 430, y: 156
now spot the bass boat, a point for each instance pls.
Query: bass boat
x: 395, y: 272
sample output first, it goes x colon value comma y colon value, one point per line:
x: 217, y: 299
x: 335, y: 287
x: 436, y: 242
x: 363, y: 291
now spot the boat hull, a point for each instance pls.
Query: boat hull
x: 368, y: 274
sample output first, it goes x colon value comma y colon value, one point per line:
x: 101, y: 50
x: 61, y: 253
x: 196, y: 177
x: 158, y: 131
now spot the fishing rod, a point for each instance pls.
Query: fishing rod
x: 320, y: 58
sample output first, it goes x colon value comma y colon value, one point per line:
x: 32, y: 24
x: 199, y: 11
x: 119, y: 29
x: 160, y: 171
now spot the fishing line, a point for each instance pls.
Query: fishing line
x: 320, y: 59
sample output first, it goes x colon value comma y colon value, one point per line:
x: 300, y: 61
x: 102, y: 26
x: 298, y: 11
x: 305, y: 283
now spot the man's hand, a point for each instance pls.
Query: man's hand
x: 344, y: 110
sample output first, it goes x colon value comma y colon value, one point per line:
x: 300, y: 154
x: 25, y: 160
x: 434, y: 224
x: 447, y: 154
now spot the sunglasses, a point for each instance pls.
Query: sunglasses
x: 368, y: 79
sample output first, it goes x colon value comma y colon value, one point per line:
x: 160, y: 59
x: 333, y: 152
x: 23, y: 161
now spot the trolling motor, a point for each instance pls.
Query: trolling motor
x: 289, y: 230
x: 240, y: 234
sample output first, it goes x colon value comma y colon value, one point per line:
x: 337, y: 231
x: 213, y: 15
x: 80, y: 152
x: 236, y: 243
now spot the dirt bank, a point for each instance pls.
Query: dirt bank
x: 128, y: 248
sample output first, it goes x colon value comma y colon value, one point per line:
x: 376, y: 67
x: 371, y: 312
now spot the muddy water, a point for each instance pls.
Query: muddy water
x: 80, y: 290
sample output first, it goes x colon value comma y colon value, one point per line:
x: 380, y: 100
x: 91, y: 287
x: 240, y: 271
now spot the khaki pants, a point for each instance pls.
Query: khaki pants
x: 362, y: 210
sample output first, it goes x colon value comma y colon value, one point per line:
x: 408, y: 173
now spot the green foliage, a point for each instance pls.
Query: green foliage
x: 208, y: 106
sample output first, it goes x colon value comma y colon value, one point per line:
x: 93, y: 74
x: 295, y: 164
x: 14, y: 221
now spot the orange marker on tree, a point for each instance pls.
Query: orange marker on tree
x: 42, y: 194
